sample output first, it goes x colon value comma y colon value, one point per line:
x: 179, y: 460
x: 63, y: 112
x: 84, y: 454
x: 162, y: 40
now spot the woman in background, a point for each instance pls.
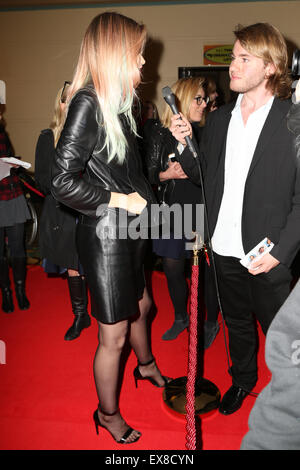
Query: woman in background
x: 175, y: 187
x: 58, y: 223
x: 13, y: 215
x: 98, y: 172
x: 212, y: 93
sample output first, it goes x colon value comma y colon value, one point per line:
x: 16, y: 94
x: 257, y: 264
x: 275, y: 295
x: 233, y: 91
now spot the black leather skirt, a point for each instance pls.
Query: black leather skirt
x: 113, y: 265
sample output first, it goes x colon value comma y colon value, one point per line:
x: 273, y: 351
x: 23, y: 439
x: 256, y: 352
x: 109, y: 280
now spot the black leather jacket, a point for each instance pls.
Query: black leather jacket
x: 82, y: 178
x: 158, y: 144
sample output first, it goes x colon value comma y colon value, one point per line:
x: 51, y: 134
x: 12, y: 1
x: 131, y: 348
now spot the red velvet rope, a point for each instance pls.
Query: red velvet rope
x: 33, y: 189
x: 192, y: 364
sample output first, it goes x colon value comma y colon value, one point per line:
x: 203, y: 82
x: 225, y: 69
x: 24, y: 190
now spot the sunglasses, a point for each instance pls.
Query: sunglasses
x: 200, y: 100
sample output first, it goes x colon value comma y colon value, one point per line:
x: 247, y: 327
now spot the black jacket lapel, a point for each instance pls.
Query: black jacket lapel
x: 273, y: 121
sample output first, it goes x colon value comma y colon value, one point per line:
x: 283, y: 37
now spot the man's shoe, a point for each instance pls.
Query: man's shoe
x: 232, y: 400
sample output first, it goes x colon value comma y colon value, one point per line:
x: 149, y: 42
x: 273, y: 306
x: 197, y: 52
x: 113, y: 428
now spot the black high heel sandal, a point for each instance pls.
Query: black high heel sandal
x: 138, y: 376
x: 124, y: 438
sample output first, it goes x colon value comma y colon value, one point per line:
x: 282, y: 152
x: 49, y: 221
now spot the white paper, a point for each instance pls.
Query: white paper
x: 2, y: 92
x: 16, y: 161
x: 258, y: 252
x: 4, y: 169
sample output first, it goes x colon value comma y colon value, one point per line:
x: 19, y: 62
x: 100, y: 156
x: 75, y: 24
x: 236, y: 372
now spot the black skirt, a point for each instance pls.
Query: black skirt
x: 113, y: 266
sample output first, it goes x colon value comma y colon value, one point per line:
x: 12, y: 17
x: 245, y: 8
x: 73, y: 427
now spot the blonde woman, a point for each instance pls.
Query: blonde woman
x: 175, y: 187
x: 58, y: 223
x: 98, y: 172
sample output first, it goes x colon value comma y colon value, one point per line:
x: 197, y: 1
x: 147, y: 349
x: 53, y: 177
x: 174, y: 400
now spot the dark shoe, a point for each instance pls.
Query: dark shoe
x: 80, y: 322
x: 211, y: 330
x: 232, y: 400
x: 178, y: 327
x: 7, y: 301
x: 78, y: 296
x: 138, y: 376
x: 125, y: 438
x: 19, y: 273
x: 23, y: 302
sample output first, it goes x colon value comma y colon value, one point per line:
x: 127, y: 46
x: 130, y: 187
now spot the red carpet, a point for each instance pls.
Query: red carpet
x: 47, y: 393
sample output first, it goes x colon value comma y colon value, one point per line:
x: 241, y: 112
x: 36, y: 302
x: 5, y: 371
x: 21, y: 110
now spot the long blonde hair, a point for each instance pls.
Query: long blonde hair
x: 108, y: 59
x: 185, y: 89
x: 59, y: 115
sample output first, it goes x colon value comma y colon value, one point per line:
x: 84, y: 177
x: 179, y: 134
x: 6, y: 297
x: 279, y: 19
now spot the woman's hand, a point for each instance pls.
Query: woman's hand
x: 180, y: 128
x: 174, y: 171
x: 136, y: 203
x: 132, y: 202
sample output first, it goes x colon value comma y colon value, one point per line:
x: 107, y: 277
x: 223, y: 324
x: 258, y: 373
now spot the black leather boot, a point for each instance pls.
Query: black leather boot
x: 180, y: 324
x: 78, y: 295
x: 7, y: 300
x: 19, y: 272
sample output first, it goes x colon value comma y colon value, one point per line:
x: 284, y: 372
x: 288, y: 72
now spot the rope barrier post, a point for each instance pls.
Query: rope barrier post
x: 193, y: 341
x: 192, y: 362
x: 192, y: 395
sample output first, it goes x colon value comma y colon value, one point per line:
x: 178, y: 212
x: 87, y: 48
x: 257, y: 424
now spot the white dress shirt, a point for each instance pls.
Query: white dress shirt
x: 240, y: 146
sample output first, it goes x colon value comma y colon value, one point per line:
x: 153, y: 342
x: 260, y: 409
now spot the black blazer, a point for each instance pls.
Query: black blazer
x: 271, y: 206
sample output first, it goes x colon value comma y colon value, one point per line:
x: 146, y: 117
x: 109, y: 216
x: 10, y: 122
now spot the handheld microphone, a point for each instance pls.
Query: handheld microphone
x: 169, y: 98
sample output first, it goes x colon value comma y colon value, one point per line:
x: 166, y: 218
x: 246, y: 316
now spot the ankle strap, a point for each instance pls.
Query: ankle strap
x: 147, y: 363
x: 108, y: 414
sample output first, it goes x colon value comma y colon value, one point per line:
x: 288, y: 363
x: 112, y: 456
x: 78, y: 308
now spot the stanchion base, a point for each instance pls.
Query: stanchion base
x: 207, y: 395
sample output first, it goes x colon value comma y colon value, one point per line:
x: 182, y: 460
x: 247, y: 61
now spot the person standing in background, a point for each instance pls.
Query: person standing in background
x: 13, y: 214
x: 175, y: 187
x: 57, y: 226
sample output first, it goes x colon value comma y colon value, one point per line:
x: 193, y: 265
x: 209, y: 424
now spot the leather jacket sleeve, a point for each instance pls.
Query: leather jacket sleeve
x: 74, y: 149
x: 154, y: 147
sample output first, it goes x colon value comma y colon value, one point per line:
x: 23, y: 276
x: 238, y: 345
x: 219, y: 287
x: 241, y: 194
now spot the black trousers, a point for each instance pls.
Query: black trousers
x: 16, y: 240
x: 243, y: 295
